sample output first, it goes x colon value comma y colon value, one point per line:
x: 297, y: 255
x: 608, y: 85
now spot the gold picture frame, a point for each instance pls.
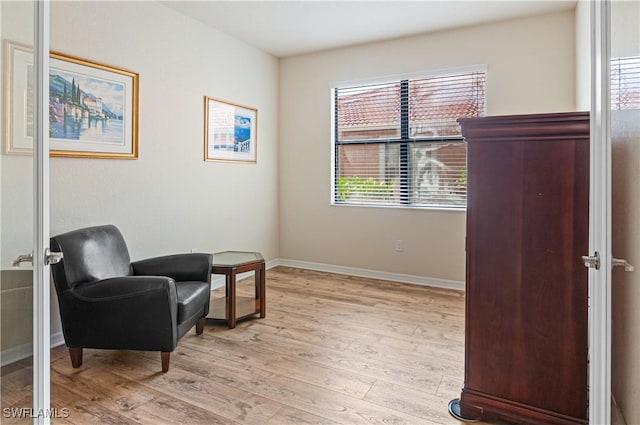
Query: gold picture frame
x: 230, y: 133
x: 93, y: 108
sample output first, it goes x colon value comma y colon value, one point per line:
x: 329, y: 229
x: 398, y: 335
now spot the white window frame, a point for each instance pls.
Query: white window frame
x: 383, y: 80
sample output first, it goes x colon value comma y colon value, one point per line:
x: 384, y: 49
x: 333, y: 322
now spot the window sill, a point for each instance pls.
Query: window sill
x: 402, y: 207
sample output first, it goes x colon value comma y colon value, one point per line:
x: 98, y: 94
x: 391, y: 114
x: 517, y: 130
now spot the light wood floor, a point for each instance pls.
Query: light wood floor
x: 332, y: 350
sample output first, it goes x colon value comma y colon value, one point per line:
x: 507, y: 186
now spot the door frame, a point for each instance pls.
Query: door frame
x: 42, y: 412
x: 600, y: 218
x: 599, y: 232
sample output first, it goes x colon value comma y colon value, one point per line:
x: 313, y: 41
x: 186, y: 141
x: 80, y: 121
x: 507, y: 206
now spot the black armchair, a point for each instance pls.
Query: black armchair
x: 108, y: 302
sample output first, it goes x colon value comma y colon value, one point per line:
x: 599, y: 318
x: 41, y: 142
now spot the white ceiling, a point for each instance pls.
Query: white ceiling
x: 287, y: 28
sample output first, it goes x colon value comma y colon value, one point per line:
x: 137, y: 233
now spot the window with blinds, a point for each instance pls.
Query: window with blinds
x: 399, y: 143
x: 625, y: 83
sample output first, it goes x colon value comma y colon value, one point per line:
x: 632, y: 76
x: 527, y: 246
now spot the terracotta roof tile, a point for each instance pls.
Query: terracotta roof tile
x: 434, y: 105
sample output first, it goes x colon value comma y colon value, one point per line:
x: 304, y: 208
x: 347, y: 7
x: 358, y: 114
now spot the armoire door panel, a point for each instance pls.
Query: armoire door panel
x: 526, y: 305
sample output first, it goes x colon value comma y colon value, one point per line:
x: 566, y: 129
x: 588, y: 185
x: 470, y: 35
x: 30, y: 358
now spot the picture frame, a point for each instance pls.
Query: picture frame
x: 230, y: 133
x: 93, y: 108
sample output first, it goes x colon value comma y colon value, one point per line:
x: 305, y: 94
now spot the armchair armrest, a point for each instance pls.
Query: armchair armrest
x: 130, y: 312
x: 180, y: 267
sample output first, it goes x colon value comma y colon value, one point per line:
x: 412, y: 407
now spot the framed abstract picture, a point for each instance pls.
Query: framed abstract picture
x: 93, y: 108
x: 230, y: 131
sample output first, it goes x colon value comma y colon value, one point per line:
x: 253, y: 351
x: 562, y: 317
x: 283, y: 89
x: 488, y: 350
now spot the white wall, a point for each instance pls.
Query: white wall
x: 531, y: 69
x: 583, y: 55
x: 169, y: 200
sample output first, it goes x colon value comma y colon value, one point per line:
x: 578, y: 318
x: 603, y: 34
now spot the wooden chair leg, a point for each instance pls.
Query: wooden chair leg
x: 200, y: 326
x: 164, y: 355
x: 76, y: 357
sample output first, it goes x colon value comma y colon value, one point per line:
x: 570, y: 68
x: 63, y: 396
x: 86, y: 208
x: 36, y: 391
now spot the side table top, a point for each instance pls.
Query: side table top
x: 235, y: 258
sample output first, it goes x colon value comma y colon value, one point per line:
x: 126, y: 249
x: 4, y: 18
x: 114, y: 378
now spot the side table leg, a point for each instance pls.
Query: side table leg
x: 263, y: 292
x: 231, y: 299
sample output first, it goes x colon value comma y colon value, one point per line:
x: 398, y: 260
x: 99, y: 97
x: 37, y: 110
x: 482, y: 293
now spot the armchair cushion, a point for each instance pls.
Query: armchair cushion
x: 192, y: 273
x: 191, y: 297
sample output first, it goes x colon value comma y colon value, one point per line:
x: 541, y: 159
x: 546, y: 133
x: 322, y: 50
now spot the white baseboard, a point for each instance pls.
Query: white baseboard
x: 218, y: 281
x: 23, y: 351
x: 374, y: 274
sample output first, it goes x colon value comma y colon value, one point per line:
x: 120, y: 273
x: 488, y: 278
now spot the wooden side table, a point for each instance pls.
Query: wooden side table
x: 231, y: 308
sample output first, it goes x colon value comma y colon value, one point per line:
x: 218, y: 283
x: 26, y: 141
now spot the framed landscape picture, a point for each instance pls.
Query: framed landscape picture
x: 230, y: 131
x: 93, y: 108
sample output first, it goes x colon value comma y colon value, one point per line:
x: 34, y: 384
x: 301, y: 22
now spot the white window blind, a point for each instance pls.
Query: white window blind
x: 399, y: 143
x: 625, y: 83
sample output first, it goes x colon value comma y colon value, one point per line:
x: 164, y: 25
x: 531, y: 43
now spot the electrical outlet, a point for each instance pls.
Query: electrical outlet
x: 399, y: 245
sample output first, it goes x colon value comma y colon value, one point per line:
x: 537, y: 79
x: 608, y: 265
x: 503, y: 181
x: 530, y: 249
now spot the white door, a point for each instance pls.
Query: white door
x: 625, y: 208
x: 24, y: 213
x: 600, y: 221
x: 600, y: 232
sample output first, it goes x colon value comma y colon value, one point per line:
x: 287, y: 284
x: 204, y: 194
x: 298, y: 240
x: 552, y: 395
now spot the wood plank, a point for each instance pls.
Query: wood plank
x: 362, y: 364
x: 82, y: 410
x: 303, y: 396
x: 408, y: 359
x: 450, y: 387
x: 332, y: 350
x: 331, y: 378
x: 337, y: 309
x: 213, y: 394
x: 415, y: 402
x: 132, y: 399
x: 292, y: 416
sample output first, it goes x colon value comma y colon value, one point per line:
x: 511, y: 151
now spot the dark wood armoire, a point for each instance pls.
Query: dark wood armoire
x: 526, y: 284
